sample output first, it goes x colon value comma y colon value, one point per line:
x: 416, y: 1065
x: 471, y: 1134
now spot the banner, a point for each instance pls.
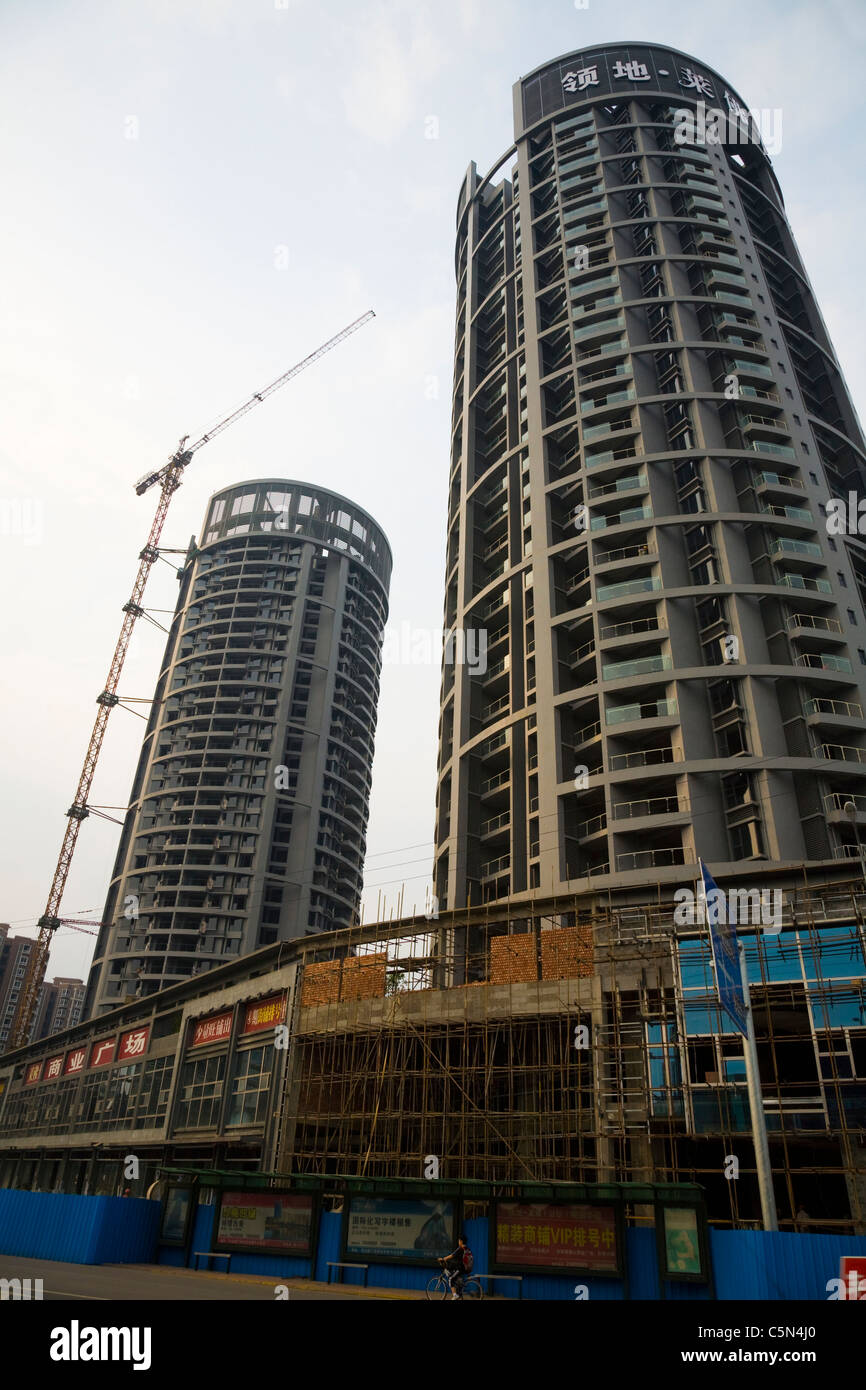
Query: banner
x: 264, y: 1013
x: 400, y: 1228
x: 557, y: 1237
x: 212, y: 1029
x: 276, y: 1222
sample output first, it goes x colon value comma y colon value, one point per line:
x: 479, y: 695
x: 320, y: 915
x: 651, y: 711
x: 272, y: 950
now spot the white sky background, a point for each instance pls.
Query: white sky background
x: 142, y: 300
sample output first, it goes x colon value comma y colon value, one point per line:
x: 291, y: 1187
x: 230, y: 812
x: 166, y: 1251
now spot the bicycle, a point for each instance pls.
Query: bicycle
x: 440, y: 1287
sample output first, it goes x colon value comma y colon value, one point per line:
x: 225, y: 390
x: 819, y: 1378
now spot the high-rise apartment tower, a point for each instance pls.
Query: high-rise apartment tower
x: 249, y: 806
x: 649, y: 424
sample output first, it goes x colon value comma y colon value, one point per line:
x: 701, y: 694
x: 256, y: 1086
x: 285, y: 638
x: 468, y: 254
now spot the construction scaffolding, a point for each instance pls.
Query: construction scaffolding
x: 548, y: 1040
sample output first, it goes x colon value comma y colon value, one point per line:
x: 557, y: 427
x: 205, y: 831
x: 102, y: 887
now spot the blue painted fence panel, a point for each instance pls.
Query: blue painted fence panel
x: 778, y: 1264
x: 77, y: 1229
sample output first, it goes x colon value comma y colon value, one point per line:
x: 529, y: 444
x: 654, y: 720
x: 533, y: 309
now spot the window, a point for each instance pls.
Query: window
x: 852, y: 617
x: 843, y: 583
x: 201, y: 1092
x: 250, y: 1086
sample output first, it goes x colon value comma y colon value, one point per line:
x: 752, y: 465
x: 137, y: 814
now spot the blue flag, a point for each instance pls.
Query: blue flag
x: 726, y: 955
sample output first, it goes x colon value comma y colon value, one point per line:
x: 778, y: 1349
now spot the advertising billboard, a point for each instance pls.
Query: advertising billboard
x: 265, y: 1013
x: 278, y: 1223
x: 564, y: 1236
x: 683, y: 1247
x: 400, y: 1228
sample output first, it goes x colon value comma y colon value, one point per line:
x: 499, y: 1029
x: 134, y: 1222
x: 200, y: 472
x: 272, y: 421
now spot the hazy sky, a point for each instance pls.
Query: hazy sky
x: 195, y: 194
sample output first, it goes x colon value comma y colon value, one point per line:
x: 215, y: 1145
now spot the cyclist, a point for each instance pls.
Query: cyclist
x: 458, y: 1265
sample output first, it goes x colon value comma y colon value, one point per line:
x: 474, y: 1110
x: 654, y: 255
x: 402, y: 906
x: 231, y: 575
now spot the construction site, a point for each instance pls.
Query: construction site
x: 554, y: 1043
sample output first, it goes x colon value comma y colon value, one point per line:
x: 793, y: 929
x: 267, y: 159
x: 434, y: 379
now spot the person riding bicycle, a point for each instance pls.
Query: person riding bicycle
x: 458, y: 1264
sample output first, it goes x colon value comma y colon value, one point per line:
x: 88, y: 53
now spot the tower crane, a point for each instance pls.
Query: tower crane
x: 169, y: 479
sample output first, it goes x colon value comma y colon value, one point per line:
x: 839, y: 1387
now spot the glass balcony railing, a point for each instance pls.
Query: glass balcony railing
x: 613, y: 398
x: 836, y: 709
x: 629, y: 586
x: 641, y: 666
x: 599, y: 327
x: 606, y: 428
x: 764, y: 446
x: 799, y: 581
x: 823, y: 661
x: 602, y: 523
x: 740, y: 364
x: 784, y: 545
x: 620, y: 485
x: 627, y: 714
x: 778, y: 480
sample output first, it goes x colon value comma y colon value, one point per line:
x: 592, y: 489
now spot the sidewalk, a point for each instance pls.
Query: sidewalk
x: 272, y: 1280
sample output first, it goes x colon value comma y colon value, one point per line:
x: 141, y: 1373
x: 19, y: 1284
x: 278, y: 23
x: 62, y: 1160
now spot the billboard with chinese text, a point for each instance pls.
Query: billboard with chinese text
x: 213, y: 1029
x: 276, y: 1222
x: 264, y: 1013
x: 400, y: 1228
x: 562, y: 1236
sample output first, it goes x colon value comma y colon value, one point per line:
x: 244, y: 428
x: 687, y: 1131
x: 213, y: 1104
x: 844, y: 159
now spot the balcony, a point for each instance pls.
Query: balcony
x: 645, y: 757
x: 628, y: 484
x: 494, y: 867
x: 626, y: 714
x: 591, y: 827
x: 841, y: 752
x: 598, y: 403
x: 648, y: 585
x: 600, y: 326
x: 651, y: 806
x: 495, y: 783
x: 785, y: 545
x: 495, y: 824
x: 837, y: 801
x: 765, y: 446
x: 608, y: 519
x: 639, y: 625
x: 799, y: 581
x: 741, y: 364
x: 811, y: 621
x: 824, y: 661
x: 821, y: 709
x: 641, y: 666
x: 651, y: 859
x: 778, y: 480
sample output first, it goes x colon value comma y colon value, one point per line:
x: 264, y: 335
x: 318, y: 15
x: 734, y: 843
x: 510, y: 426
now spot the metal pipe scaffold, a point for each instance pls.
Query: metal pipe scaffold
x: 169, y: 478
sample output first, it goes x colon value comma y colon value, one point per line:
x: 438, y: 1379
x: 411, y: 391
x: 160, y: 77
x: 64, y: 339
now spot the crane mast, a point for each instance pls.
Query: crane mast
x: 169, y: 478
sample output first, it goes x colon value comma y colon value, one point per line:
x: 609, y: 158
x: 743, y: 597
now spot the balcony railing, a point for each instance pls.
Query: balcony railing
x: 785, y: 545
x: 837, y: 801
x: 823, y: 661
x: 763, y: 446
x: 651, y: 859
x: 496, y: 866
x: 810, y: 620
x: 840, y: 709
x: 606, y: 520
x: 629, y: 629
x: 645, y: 757
x: 591, y: 827
x: 841, y: 752
x: 620, y: 485
x: 650, y: 806
x: 629, y: 586
x: 641, y: 666
x: 495, y: 823
x: 778, y: 480
x: 798, y: 581
x: 658, y: 709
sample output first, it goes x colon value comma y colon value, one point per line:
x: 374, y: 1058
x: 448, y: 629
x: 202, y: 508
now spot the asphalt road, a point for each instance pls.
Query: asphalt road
x: 101, y: 1283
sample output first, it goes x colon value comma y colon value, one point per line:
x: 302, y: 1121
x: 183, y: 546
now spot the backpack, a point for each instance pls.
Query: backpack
x: 468, y: 1261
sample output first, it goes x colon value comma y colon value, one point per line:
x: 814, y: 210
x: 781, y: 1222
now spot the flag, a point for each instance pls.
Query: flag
x: 726, y: 955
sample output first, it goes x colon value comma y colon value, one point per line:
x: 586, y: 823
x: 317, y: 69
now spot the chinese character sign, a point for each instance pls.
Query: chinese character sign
x: 74, y: 1061
x: 53, y: 1067
x: 33, y: 1073
x: 212, y: 1029
x: 102, y: 1052
x: 557, y: 1236
x: 132, y: 1044
x: 264, y: 1013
